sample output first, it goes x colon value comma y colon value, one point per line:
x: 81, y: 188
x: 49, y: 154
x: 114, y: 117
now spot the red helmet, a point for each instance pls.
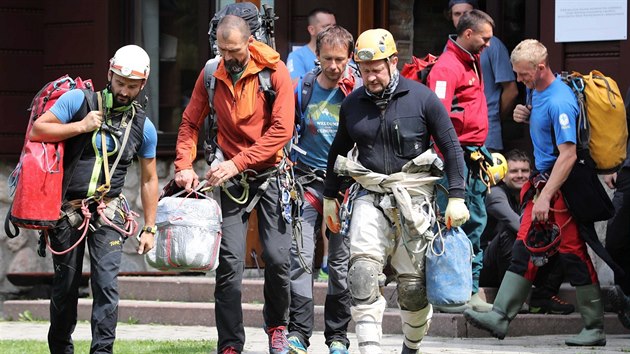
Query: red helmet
x: 542, y: 241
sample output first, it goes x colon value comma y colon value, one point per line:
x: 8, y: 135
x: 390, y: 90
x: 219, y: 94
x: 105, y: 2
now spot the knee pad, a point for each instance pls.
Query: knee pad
x: 363, y: 280
x: 412, y: 293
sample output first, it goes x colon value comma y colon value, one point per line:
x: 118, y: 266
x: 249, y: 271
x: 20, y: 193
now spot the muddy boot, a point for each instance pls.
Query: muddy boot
x: 591, y: 307
x: 512, y: 293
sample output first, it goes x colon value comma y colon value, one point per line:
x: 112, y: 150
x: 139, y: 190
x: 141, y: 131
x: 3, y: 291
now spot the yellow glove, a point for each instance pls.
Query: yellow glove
x: 456, y: 212
x: 331, y: 215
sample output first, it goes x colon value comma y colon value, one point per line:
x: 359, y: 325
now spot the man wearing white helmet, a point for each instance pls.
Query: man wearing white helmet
x: 391, y: 122
x: 120, y: 126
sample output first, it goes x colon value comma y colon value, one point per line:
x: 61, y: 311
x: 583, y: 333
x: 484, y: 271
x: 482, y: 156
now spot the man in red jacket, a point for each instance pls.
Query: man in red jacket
x: 457, y: 81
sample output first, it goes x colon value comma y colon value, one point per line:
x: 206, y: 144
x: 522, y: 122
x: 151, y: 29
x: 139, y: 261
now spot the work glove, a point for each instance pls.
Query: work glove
x: 456, y: 212
x: 331, y: 215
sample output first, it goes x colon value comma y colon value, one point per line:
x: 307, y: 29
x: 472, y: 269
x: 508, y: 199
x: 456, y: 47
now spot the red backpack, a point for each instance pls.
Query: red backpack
x: 419, y: 69
x: 37, y: 181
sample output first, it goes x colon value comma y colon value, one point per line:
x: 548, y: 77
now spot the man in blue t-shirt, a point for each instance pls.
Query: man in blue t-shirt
x: 329, y: 84
x: 302, y: 60
x: 548, y: 230
x: 498, y: 78
x: 94, y: 211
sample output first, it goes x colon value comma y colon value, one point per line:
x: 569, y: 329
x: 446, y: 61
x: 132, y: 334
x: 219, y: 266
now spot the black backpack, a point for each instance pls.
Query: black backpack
x: 261, y: 26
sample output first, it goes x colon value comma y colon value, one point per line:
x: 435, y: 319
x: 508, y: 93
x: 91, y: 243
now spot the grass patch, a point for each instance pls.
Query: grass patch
x: 120, y: 346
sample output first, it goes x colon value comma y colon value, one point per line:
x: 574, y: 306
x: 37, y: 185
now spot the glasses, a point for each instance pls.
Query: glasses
x: 366, y: 54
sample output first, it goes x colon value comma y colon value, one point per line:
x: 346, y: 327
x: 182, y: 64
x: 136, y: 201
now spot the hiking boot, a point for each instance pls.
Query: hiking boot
x: 451, y: 308
x: 407, y: 350
x: 296, y: 346
x: 478, y: 304
x: 620, y: 303
x: 337, y: 347
x: 230, y: 350
x: 278, y: 343
x: 553, y: 305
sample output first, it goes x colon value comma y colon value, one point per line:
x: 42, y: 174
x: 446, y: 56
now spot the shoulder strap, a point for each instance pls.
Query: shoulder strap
x: 306, y: 91
x: 210, y: 81
x: 264, y: 80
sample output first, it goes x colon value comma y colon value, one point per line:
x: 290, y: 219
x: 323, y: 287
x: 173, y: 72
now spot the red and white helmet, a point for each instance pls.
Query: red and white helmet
x: 131, y: 62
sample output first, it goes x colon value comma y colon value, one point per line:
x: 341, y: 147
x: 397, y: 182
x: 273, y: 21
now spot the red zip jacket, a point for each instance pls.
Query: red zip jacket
x: 456, y: 80
x: 249, y: 133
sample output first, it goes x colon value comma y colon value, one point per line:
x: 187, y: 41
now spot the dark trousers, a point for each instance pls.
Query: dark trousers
x: 496, y: 261
x: 618, y: 231
x: 105, y: 248
x: 275, y: 237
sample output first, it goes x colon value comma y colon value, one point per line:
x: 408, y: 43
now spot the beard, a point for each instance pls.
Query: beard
x: 234, y: 67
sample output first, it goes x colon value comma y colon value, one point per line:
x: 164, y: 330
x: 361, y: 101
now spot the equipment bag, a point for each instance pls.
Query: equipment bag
x: 261, y: 25
x: 602, y: 127
x: 448, y: 268
x: 189, y: 233
x: 37, y: 181
x: 419, y: 69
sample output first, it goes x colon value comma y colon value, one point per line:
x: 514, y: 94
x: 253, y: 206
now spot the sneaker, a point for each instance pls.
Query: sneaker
x: 230, y: 350
x: 553, y: 305
x: 296, y: 346
x: 322, y: 275
x: 337, y: 347
x: 620, y: 304
x: 278, y: 343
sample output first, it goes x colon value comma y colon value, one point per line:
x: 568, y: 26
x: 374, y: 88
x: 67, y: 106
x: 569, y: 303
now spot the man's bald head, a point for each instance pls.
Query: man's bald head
x: 231, y: 23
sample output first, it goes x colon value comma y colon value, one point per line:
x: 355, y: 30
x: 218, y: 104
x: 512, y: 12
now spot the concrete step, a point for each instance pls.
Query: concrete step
x: 202, y: 313
x: 201, y: 289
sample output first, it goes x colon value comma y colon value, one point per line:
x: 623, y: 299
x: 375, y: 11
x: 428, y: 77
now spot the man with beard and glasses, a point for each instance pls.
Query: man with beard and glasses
x: 329, y: 83
x: 457, y: 81
x: 251, y: 136
x: 121, y: 127
x: 385, y: 129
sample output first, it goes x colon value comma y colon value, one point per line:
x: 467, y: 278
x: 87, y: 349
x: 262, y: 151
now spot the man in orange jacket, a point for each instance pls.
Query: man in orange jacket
x: 251, y: 135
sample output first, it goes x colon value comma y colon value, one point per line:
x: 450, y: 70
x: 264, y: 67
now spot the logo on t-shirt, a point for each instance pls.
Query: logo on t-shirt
x: 564, y: 121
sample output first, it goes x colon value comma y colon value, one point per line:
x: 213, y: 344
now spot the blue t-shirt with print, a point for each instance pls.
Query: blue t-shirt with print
x: 69, y: 104
x: 319, y: 125
x: 555, y: 107
x: 496, y: 68
x: 300, y: 61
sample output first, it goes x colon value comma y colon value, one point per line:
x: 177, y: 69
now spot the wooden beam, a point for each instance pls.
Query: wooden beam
x: 366, y: 15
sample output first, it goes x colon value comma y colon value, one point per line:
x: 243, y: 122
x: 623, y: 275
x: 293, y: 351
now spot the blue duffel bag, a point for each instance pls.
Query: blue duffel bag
x: 449, y: 268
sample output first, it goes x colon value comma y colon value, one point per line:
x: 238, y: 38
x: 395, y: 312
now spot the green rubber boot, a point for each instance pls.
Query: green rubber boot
x: 510, y: 298
x: 591, y: 307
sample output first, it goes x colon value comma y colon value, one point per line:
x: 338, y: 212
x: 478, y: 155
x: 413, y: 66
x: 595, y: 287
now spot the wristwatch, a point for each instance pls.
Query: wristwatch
x: 150, y: 229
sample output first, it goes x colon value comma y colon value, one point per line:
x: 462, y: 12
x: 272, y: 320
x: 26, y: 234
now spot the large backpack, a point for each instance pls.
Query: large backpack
x: 261, y: 28
x: 419, y: 69
x: 602, y: 126
x: 37, y: 182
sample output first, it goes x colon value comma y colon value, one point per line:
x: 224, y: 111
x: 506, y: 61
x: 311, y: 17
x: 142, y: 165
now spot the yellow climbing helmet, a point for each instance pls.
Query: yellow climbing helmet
x: 374, y: 44
x: 498, y: 170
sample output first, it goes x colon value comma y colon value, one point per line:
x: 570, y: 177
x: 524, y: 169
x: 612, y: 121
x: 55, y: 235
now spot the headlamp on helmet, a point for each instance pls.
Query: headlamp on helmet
x: 374, y: 44
x: 131, y: 62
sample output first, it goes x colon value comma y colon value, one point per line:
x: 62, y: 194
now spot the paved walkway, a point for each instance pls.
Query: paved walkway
x: 256, y: 339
